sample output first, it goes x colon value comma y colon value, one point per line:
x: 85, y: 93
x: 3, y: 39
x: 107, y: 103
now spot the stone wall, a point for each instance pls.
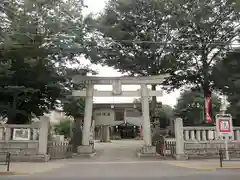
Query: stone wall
x: 201, y: 142
x: 32, y: 149
x: 20, y: 151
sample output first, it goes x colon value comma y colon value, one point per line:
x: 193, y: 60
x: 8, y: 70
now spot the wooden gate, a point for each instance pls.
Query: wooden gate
x: 59, y: 150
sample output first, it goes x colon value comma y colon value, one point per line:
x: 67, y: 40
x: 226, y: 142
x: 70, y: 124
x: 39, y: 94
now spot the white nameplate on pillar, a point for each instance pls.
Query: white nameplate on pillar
x: 116, y: 87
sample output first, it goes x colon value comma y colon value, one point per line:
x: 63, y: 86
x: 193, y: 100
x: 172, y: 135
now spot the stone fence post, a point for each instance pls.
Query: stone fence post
x: 43, y: 135
x: 178, y: 127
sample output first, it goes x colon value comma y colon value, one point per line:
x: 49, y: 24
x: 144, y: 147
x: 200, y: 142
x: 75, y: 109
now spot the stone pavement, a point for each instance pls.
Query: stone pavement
x: 117, y: 160
x: 118, y: 150
x: 123, y: 150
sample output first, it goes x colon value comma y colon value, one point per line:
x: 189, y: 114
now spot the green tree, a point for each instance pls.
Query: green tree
x: 191, y: 105
x: 129, y: 33
x: 63, y: 127
x: 226, y: 75
x: 74, y: 107
x: 165, y: 115
x: 204, y: 32
x: 37, y: 40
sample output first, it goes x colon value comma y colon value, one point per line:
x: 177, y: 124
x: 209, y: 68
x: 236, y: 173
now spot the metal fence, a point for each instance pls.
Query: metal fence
x: 6, y: 161
x: 59, y: 150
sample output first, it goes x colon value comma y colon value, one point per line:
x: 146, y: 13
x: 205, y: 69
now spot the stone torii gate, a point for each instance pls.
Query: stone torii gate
x: 116, y: 83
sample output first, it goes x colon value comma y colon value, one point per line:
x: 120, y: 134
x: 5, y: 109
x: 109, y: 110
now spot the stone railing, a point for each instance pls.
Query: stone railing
x: 31, y: 147
x: 6, y: 131
x: 201, y: 141
x: 200, y: 134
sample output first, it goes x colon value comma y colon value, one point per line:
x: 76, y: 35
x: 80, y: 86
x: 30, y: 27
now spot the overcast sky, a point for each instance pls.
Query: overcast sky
x: 95, y: 6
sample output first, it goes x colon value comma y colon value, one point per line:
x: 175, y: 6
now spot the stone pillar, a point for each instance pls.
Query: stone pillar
x: 204, y: 138
x: 7, y: 134
x: 147, y: 149
x: 210, y: 135
x: 106, y: 134
x: 93, y: 130
x: 87, y: 116
x: 1, y: 133
x: 146, y: 119
x: 43, y: 135
x: 101, y: 133
x: 179, y: 139
x: 35, y: 134
x: 186, y: 134
x: 107, y: 131
x: 86, y: 132
x: 238, y: 135
x: 198, y: 135
x: 192, y: 135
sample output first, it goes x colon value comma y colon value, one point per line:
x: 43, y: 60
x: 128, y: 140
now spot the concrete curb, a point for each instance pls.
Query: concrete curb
x: 155, y: 155
x: 228, y: 167
x: 12, y: 173
x: 90, y: 155
x: 198, y: 167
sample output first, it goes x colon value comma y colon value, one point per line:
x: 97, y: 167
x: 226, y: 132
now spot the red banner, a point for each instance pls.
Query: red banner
x: 208, y: 108
x: 140, y: 129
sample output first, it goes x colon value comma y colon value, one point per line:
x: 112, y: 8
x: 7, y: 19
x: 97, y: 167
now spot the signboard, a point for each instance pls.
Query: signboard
x: 116, y: 87
x: 21, y: 134
x: 224, y: 125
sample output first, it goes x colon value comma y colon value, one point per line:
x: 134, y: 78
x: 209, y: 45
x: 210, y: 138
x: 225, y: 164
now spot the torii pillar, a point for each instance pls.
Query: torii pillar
x: 147, y: 137
x: 87, y: 116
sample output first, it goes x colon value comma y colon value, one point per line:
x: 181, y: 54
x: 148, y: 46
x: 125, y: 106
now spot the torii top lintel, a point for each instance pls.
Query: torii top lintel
x: 123, y: 80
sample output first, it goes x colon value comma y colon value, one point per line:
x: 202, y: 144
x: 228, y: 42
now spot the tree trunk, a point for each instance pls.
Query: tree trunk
x: 11, y: 119
x: 76, y: 139
x: 154, y: 101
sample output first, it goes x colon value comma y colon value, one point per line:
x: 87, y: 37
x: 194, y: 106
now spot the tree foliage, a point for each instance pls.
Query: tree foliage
x: 184, y: 38
x: 165, y: 115
x: 129, y: 33
x: 37, y: 40
x: 191, y: 104
x: 226, y: 75
x: 63, y: 127
x: 204, y: 31
x: 124, y: 24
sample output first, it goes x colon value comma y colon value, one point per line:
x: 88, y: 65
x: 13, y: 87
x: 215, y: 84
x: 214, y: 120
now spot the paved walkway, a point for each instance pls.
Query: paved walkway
x: 118, y: 150
x: 118, y: 160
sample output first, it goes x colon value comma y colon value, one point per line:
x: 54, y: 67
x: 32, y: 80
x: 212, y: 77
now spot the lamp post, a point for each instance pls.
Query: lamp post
x: 223, y: 107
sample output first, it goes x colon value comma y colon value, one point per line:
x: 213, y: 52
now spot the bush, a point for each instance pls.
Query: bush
x: 63, y: 127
